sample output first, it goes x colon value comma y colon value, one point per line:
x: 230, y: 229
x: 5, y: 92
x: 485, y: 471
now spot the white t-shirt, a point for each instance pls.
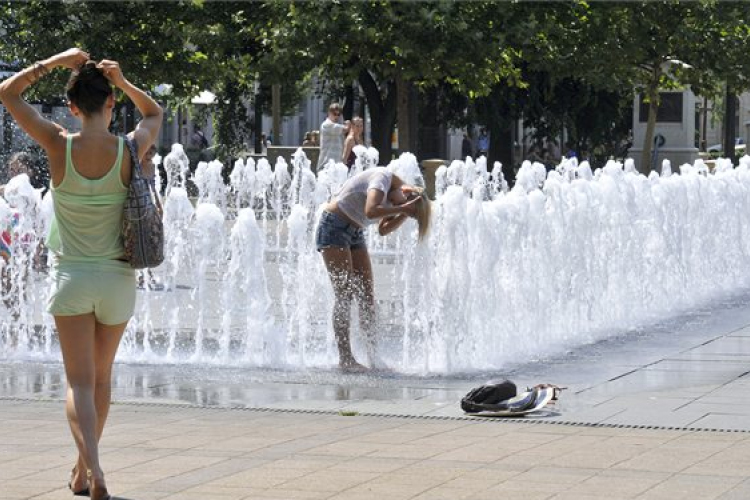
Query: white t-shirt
x: 331, y: 142
x: 352, y: 197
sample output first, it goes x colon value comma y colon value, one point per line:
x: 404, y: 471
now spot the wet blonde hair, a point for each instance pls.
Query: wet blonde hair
x: 423, y: 213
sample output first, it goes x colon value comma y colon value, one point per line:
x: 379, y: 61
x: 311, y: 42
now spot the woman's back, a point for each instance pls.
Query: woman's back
x: 89, y: 199
x: 352, y: 196
x: 94, y: 155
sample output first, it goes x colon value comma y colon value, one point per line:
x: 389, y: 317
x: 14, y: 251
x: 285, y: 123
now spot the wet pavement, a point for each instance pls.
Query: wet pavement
x: 688, y: 372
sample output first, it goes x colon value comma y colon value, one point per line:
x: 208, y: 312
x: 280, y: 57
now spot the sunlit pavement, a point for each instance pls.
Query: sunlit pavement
x: 663, y: 412
x: 172, y: 452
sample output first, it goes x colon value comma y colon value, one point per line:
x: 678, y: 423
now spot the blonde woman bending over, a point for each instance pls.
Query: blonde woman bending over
x: 373, y: 196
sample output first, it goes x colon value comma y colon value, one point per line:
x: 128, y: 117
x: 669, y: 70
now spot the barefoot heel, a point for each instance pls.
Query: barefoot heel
x: 80, y: 493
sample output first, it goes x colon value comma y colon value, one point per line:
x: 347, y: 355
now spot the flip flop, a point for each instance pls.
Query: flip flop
x: 81, y: 493
x: 556, y: 389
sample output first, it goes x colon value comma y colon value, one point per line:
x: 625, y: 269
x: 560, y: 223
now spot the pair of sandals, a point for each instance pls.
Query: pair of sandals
x: 86, y: 492
x: 534, y: 398
x: 556, y: 390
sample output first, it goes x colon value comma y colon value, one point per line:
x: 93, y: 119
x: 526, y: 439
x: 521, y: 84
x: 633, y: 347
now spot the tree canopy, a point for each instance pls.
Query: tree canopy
x: 548, y: 62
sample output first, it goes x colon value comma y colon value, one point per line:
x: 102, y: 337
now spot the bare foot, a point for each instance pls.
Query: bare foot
x: 98, y: 488
x: 78, y: 484
x: 352, y: 366
x: 385, y: 370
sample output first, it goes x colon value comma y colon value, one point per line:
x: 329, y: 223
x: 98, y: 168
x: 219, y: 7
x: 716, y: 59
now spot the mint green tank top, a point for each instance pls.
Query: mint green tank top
x: 87, y: 222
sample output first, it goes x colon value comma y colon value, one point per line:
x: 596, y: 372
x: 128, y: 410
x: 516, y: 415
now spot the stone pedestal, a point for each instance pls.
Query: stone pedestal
x: 676, y: 156
x: 429, y: 167
x: 676, y: 124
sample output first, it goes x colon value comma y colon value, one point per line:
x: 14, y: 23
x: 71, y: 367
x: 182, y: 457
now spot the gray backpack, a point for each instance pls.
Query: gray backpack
x: 142, y: 227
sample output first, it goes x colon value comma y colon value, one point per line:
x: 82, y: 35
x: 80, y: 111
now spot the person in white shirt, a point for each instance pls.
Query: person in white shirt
x: 373, y: 196
x: 332, y: 134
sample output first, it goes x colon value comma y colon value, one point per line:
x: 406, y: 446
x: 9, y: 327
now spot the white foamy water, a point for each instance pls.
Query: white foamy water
x: 562, y: 259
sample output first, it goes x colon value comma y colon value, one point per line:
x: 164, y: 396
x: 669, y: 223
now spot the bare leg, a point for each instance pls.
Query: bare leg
x: 339, y: 264
x: 77, y: 335
x: 106, y: 340
x: 364, y: 291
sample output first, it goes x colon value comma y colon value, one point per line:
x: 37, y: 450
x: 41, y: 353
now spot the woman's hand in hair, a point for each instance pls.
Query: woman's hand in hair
x: 411, y: 190
x: 112, y: 72
x: 409, y: 207
x: 71, y: 58
x: 389, y: 224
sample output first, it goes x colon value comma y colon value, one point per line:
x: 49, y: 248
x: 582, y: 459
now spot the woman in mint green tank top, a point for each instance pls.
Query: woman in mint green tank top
x: 93, y: 295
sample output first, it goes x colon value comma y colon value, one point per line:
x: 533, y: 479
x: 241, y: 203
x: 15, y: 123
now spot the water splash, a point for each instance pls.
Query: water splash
x: 564, y: 258
x: 177, y: 167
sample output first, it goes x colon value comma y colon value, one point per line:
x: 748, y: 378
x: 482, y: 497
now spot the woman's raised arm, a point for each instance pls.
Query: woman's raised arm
x: 147, y: 130
x: 43, y: 131
x: 348, y: 145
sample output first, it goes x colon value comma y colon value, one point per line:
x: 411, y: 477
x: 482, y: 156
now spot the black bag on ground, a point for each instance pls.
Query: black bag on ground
x: 488, y: 396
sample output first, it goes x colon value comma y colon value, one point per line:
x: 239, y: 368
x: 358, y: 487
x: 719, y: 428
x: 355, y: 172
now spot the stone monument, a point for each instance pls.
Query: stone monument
x: 674, y: 133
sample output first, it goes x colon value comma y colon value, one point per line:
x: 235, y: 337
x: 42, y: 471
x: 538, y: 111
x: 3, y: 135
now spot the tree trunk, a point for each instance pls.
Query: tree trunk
x: 406, y: 116
x: 730, y: 112
x: 382, y: 112
x: 276, y: 113
x: 258, y: 110
x: 430, y: 135
x: 500, y: 126
x: 652, y: 93
x: 348, y: 110
x: 704, y: 119
x: 501, y: 148
x: 362, y: 111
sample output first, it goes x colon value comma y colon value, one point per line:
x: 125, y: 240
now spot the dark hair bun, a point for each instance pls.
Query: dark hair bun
x: 88, y: 88
x: 89, y: 71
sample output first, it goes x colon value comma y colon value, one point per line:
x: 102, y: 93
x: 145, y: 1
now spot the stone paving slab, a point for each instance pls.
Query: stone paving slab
x: 635, y: 422
x: 155, y: 452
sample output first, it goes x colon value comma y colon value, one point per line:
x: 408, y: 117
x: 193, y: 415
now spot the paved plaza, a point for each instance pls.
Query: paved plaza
x: 658, y: 413
x: 155, y: 452
x: 168, y: 452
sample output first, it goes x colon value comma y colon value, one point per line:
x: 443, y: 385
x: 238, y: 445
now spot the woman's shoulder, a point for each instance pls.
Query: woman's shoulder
x: 98, y: 137
x: 63, y: 134
x: 379, y: 174
x: 58, y: 147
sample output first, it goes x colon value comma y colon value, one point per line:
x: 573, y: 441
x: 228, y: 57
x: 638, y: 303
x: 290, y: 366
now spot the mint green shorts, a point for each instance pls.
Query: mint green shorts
x: 105, y: 288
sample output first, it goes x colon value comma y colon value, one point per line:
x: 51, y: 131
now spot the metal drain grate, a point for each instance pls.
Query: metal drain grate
x: 489, y: 420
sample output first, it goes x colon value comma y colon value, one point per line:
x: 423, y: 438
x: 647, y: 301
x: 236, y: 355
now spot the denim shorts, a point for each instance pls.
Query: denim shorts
x: 335, y: 231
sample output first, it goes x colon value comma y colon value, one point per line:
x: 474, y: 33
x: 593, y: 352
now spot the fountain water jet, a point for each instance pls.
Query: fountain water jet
x: 563, y: 258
